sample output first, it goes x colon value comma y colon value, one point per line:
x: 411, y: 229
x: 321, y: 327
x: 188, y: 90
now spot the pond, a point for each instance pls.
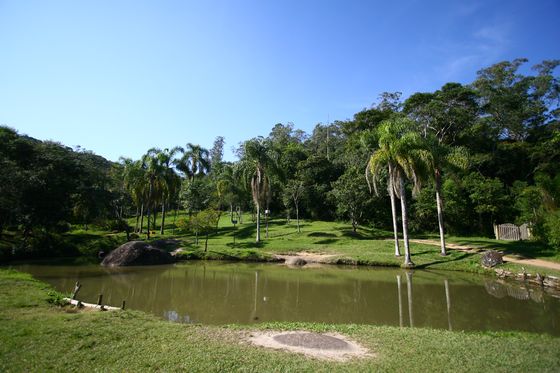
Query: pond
x: 222, y: 293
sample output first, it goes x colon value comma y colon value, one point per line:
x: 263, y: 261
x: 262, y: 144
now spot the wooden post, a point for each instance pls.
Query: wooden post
x: 77, y: 288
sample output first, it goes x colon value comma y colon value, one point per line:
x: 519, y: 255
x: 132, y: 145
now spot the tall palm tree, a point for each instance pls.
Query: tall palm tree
x: 155, y: 173
x: 168, y: 180
x: 401, y: 150
x: 195, y: 161
x: 443, y: 156
x: 134, y: 183
x: 257, y: 162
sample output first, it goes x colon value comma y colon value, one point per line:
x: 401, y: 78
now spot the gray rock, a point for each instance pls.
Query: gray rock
x: 136, y: 253
x: 491, y: 258
x: 296, y: 261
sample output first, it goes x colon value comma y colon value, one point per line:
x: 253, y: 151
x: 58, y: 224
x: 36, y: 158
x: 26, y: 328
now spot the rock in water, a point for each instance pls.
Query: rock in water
x: 296, y: 261
x: 137, y: 253
x: 492, y: 258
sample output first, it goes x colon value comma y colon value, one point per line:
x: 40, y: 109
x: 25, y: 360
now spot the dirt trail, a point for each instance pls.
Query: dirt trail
x: 507, y: 258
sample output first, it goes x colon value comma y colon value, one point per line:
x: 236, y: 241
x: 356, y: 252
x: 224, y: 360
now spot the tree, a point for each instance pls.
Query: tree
x: 402, y: 151
x: 293, y: 193
x: 195, y: 161
x: 351, y: 195
x: 203, y: 222
x: 258, y: 162
x: 442, y: 117
x: 155, y: 177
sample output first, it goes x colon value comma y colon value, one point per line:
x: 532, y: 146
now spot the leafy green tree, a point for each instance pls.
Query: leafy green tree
x: 202, y: 222
x: 293, y: 194
x: 351, y: 196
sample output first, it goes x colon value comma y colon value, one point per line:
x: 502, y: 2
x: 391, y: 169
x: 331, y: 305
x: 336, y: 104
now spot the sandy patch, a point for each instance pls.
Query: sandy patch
x: 309, y: 259
x: 327, y: 346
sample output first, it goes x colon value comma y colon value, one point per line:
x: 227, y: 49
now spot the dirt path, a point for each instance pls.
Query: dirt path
x: 507, y: 258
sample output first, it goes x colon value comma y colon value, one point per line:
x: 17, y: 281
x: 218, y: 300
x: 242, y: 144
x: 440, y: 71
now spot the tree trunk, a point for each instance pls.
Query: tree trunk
x: 394, y: 214
x: 439, y: 203
x: 141, y: 218
x: 258, y: 223
x: 154, y: 222
x: 297, y: 219
x: 407, y: 260
x: 149, y: 207
x: 162, y: 218
x: 266, y: 224
x: 174, y: 218
x: 137, y: 218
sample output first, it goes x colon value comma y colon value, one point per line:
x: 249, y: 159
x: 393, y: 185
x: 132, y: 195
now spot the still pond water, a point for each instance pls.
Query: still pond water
x: 221, y: 293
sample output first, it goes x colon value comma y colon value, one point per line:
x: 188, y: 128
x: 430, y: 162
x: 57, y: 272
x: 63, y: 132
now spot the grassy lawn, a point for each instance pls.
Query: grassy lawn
x: 365, y: 247
x: 39, y: 336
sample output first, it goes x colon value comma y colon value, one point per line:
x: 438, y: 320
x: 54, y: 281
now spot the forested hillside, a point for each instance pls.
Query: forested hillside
x: 485, y: 153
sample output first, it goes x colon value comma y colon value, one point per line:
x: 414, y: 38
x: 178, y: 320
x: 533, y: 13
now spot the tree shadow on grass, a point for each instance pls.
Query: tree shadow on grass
x: 327, y: 241
x: 460, y: 257
x: 321, y: 234
x: 246, y: 245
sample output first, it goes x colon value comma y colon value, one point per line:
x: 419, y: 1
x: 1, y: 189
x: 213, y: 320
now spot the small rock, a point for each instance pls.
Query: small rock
x: 296, y: 261
x: 491, y: 258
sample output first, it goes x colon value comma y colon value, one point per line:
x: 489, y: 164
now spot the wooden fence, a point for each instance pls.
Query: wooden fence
x: 512, y: 232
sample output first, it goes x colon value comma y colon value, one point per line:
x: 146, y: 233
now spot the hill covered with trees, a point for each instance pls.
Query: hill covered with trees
x: 457, y: 160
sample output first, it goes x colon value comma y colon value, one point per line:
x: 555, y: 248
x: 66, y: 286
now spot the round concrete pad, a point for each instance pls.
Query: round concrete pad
x: 330, y: 346
x: 312, y: 340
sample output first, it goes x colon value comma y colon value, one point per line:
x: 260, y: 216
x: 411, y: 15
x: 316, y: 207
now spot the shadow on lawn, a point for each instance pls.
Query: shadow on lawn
x: 460, y: 257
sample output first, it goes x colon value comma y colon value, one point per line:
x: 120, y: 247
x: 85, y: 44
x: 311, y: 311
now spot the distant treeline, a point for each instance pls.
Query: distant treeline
x: 490, y: 148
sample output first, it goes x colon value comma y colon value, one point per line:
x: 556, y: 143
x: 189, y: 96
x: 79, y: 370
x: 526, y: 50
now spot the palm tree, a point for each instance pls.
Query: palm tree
x: 257, y: 162
x: 195, y: 161
x: 134, y: 183
x: 402, y: 151
x: 155, y: 174
x: 169, y: 181
x: 443, y: 156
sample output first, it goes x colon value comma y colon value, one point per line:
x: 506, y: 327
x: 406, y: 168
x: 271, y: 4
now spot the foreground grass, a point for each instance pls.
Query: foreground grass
x: 38, y: 336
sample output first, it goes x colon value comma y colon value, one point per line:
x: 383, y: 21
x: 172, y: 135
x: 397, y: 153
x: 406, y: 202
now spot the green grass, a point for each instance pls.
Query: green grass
x: 39, y: 336
x: 365, y: 247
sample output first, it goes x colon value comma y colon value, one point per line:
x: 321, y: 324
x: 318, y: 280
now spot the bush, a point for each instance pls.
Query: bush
x: 551, y: 230
x: 118, y: 225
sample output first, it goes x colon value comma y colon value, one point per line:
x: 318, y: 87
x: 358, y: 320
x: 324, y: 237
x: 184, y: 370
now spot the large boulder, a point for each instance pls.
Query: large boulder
x: 492, y: 258
x: 137, y: 253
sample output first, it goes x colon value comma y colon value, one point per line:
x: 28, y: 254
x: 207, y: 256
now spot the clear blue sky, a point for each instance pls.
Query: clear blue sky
x: 118, y: 77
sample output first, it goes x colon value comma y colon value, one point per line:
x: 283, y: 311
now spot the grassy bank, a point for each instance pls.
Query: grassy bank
x: 40, y: 336
x: 367, y: 246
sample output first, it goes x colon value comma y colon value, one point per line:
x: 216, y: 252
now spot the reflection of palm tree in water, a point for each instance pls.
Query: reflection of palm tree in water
x: 409, y: 293
x: 254, y: 313
x: 400, y: 300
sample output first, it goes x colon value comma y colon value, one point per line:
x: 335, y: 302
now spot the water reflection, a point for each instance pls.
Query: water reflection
x: 521, y: 291
x: 219, y: 293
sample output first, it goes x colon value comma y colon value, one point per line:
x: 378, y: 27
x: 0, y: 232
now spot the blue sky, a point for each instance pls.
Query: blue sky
x: 119, y: 77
